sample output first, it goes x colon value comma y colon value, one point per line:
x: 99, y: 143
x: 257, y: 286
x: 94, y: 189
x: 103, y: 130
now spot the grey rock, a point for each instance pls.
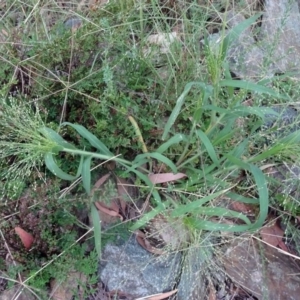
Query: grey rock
x: 280, y: 34
x: 278, y: 47
x: 131, y: 269
x: 245, y: 57
x: 286, y: 180
x: 73, y: 23
x: 287, y: 121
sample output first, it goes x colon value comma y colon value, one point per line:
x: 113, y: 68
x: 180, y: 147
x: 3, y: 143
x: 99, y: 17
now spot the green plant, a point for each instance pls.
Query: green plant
x: 43, y: 143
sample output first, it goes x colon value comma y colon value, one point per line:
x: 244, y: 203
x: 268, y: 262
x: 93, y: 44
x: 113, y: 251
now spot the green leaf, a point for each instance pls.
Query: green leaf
x: 241, y: 198
x: 240, y: 149
x: 150, y: 215
x: 198, y: 175
x: 263, y: 193
x: 190, y: 207
x: 216, y: 109
x: 93, y: 140
x: 55, y: 169
x: 176, y: 139
x: 159, y: 157
x: 234, y: 34
x: 238, y: 162
x: 86, y: 174
x: 213, y: 226
x: 54, y: 136
x: 253, y: 110
x: 150, y: 185
x: 136, y: 165
x: 251, y: 87
x: 198, y: 114
x: 180, y: 101
x: 97, y: 229
x: 208, y: 145
x: 222, y: 212
x: 262, y: 189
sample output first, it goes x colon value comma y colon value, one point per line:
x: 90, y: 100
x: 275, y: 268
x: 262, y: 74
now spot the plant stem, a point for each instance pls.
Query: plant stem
x: 97, y: 155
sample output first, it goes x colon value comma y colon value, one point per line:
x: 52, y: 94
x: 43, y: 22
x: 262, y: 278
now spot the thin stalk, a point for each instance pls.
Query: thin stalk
x: 185, y: 150
x: 97, y: 155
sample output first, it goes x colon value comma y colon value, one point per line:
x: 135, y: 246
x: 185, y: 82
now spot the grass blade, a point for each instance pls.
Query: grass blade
x: 251, y: 87
x: 213, y: 226
x: 55, y: 169
x: 223, y: 212
x: 150, y: 215
x: 159, y: 157
x: 180, y: 101
x: 208, y: 145
x: 93, y: 140
x: 54, y: 136
x: 176, y: 139
x: 241, y: 198
x: 263, y: 195
x: 235, y: 32
x: 86, y: 174
x: 97, y: 228
x: 190, y: 207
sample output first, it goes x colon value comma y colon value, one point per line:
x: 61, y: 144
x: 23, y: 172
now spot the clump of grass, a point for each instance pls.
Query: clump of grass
x: 121, y: 90
x: 22, y: 146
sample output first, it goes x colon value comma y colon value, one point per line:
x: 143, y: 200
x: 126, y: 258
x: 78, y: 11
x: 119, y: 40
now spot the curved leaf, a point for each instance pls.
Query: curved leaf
x: 54, y: 136
x: 176, y: 139
x: 208, y: 145
x: 86, y: 174
x: 55, y: 169
x: 263, y: 195
x: 93, y: 140
x: 190, y: 207
x: 223, y: 212
x: 159, y: 157
x: 213, y: 226
x: 97, y: 228
x: 150, y: 215
x: 180, y: 101
x: 247, y: 85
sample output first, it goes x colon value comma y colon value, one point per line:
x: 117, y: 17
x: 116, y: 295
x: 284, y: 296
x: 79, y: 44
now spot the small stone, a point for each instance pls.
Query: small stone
x: 73, y: 23
x: 131, y: 269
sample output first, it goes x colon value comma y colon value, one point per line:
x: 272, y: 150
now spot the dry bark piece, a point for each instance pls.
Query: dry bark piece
x: 160, y: 296
x: 142, y: 240
x: 273, y: 235
x: 26, y: 238
x: 165, y: 177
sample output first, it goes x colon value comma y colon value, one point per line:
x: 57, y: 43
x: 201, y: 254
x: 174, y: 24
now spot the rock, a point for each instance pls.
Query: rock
x: 285, y: 185
x: 71, y: 286
x: 280, y: 34
x: 246, y: 59
x: 286, y: 122
x: 73, y: 23
x: 131, y: 269
x: 277, y: 49
x: 193, y: 282
x: 17, y: 293
x: 262, y: 270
